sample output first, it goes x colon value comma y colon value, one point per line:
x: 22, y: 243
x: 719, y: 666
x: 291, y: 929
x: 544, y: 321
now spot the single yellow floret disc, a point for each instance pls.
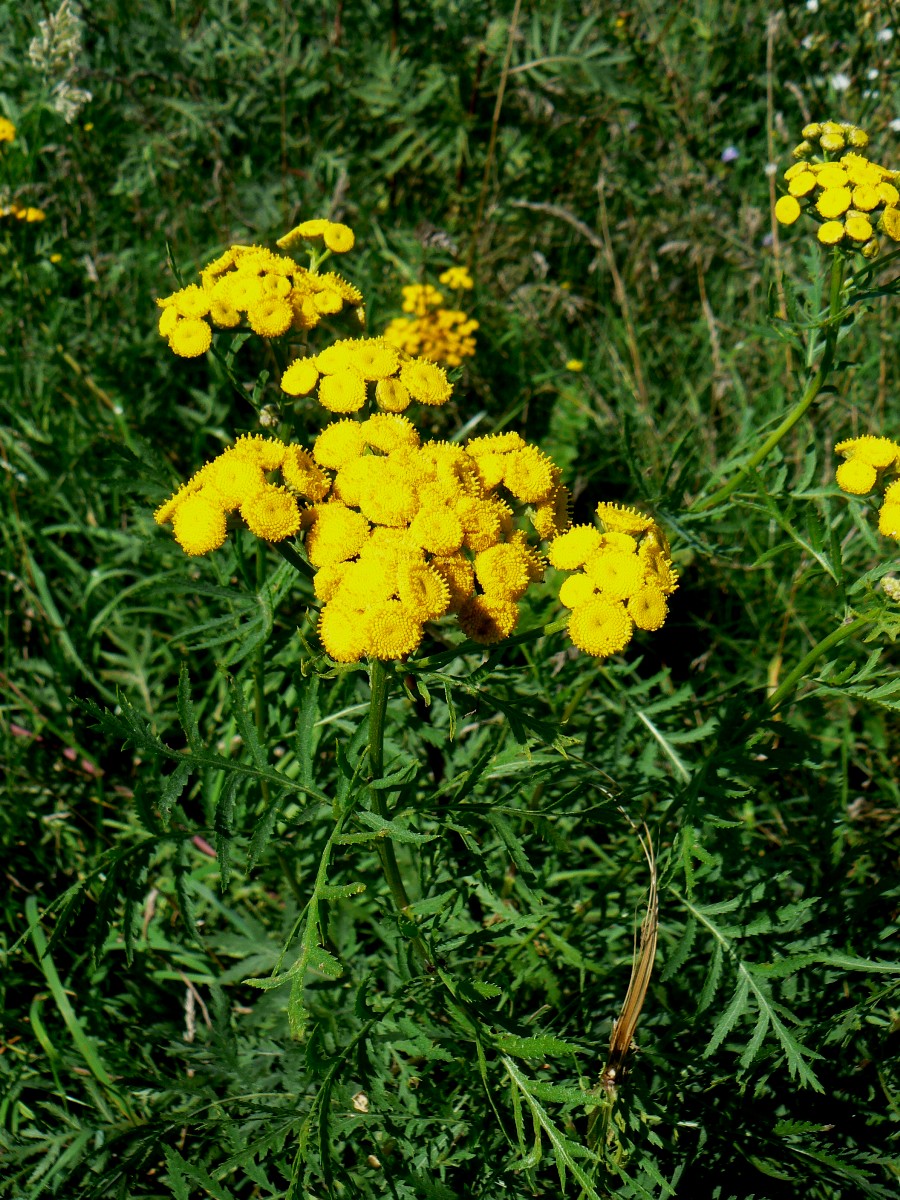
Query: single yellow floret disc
x: 503, y: 570
x: 338, y: 533
x: 865, y: 197
x: 267, y: 453
x: 576, y: 590
x: 830, y: 175
x: 830, y: 233
x: 787, y: 210
x: 437, y: 530
x: 600, y: 627
x: 426, y: 382
x: 392, y: 631
x: 342, y: 631
x: 272, y: 514
x: 338, y: 238
x: 168, y: 319
x: 303, y: 475
x: 199, y: 524
x: 423, y: 590
x: 616, y: 573
x: 832, y: 142
x: 648, y: 608
x: 300, y: 378
x: 392, y: 395
x: 338, y: 444
x: 859, y: 228
x: 270, y: 317
x: 528, y: 475
x: 191, y: 301
x: 459, y: 576
x: 856, y: 477
x: 802, y: 184
x: 190, y: 338
x: 834, y: 202
x: 573, y: 548
x: 343, y: 392
x: 889, y: 520
x: 618, y: 518
x: 234, y: 478
x: 487, y: 620
x: 890, y: 223
x: 878, y: 452
x: 888, y: 194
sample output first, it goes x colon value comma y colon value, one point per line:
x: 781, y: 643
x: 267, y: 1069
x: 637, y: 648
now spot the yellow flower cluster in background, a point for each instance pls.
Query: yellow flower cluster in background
x: 22, y: 212
x: 622, y: 578
x: 399, y: 532
x: 868, y: 460
x: 854, y: 197
x: 443, y: 335
x: 336, y: 237
x: 272, y: 292
x: 7, y: 130
x: 343, y: 372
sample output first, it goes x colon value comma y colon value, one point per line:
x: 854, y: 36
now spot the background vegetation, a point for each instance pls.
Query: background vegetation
x: 615, y: 208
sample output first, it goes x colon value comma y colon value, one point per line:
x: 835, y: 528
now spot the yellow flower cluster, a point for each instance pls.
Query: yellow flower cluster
x: 457, y: 278
x: 853, y: 196
x: 240, y: 481
x: 399, y: 532
x: 337, y: 238
x: 443, y: 335
x: 22, y: 212
x: 622, y: 578
x: 270, y: 290
x: 343, y: 371
x: 868, y: 459
x: 7, y: 130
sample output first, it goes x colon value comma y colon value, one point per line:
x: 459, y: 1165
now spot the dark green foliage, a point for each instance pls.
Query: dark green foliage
x: 208, y: 989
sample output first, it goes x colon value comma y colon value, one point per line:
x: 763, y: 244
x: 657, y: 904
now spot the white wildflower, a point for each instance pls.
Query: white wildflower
x: 840, y: 82
x: 54, y: 52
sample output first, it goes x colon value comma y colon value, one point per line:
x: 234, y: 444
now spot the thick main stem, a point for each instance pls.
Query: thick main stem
x: 380, y: 687
x: 810, y: 392
x: 786, y: 687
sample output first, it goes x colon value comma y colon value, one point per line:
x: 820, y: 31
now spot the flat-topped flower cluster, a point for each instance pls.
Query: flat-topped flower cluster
x: 399, y: 531
x: 851, y: 197
x: 443, y: 335
x: 868, y: 460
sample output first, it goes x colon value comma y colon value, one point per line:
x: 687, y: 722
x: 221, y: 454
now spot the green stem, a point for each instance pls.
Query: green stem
x: 380, y: 686
x: 810, y: 392
x: 786, y: 687
x: 289, y: 554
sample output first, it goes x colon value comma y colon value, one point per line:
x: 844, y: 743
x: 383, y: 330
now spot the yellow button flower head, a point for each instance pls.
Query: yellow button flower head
x: 787, y: 210
x: 617, y: 573
x: 338, y: 533
x: 270, y: 317
x: 166, y: 511
x: 375, y: 359
x: 333, y: 282
x: 459, y: 576
x: 338, y: 238
x: 529, y: 475
x: 573, y: 548
x: 503, y: 571
x: 858, y: 227
x: 343, y: 632
x: 830, y: 233
x: 601, y: 627
x: 657, y: 567
x: 619, y: 518
x: 199, y: 524
x: 191, y: 301
x: 890, y: 223
x: 889, y: 520
x: 426, y: 382
x: 801, y: 185
x: 486, y: 619
x: 496, y: 443
x: 302, y: 474
x: 392, y: 395
x: 300, y: 377
x: 343, y: 392
x: 856, y: 477
x: 552, y: 517
x: 423, y: 591
x: 272, y: 514
x: 234, y: 478
x: 222, y: 313
x: 834, y: 202
x: 648, y: 608
x: 389, y: 431
x: 888, y: 194
x: 7, y: 130
x: 480, y: 522
x: 339, y: 443
x: 438, y: 530
x: 218, y: 265
x: 268, y: 453
x: 878, y: 452
x: 168, y: 319
x: 327, y: 302
x: 190, y: 338
x: 328, y: 579
x: 575, y: 364
x: 277, y: 286
x: 576, y: 590
x: 866, y: 197
x: 392, y: 631
x: 385, y: 497
x: 830, y: 175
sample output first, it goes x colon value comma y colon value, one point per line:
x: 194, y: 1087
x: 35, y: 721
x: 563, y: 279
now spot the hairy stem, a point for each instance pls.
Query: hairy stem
x: 786, y: 687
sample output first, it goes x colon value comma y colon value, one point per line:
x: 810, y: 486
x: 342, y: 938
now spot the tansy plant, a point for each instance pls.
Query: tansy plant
x: 443, y: 335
